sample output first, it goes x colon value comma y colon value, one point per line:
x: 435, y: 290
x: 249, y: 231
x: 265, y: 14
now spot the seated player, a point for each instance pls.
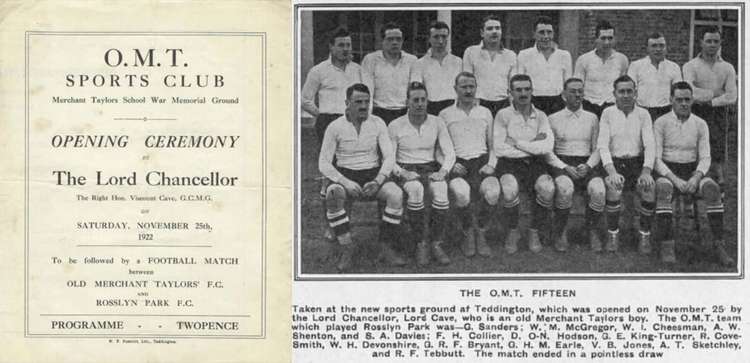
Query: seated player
x: 683, y: 157
x: 415, y: 137
x: 468, y: 124
x: 521, y: 139
x: 575, y: 164
x: 358, y: 140
x: 626, y: 146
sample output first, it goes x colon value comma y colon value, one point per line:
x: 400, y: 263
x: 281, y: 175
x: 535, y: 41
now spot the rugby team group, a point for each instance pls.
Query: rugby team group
x: 425, y: 135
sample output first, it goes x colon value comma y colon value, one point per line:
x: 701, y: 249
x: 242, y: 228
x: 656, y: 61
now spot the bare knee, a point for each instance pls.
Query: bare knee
x: 613, y: 194
x: 461, y: 192
x: 664, y: 190
x: 545, y: 189
x: 596, y: 191
x: 335, y: 196
x: 392, y: 195
x: 509, y: 187
x: 710, y: 191
x: 335, y: 191
x: 490, y: 190
x: 563, y: 192
x: 647, y: 194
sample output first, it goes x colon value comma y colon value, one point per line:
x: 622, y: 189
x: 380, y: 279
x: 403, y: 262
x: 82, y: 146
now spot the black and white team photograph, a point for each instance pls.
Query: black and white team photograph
x: 533, y: 141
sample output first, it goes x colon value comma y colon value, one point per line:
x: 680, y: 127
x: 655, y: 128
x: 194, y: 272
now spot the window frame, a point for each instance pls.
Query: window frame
x: 699, y: 22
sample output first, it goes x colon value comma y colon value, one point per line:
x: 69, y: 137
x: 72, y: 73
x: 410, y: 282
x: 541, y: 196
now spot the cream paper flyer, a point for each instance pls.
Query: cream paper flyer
x: 142, y: 190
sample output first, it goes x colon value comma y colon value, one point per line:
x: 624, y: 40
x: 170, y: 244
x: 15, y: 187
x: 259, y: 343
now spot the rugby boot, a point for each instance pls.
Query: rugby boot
x: 392, y: 257
x: 346, y: 258
x: 511, y: 241
x: 595, y: 241
x: 469, y: 245
x: 613, y: 241
x: 328, y: 234
x: 667, y: 252
x: 535, y: 245
x: 483, y: 249
x: 389, y: 236
x: 644, y: 242
x: 423, y: 253
x: 722, y: 254
x: 440, y: 255
x: 561, y: 244
x: 559, y: 226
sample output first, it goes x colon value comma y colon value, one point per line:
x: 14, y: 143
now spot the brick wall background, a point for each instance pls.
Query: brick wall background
x: 632, y: 28
x: 574, y: 30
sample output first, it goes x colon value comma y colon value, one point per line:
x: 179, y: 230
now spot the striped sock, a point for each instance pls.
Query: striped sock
x: 663, y: 226
x: 339, y: 221
x: 646, y: 211
x: 716, y: 221
x: 512, y: 216
x: 437, y: 225
x: 393, y: 215
x: 465, y: 217
x: 593, y: 218
x: 416, y: 220
x: 613, y: 214
x: 484, y: 213
x: 541, y: 215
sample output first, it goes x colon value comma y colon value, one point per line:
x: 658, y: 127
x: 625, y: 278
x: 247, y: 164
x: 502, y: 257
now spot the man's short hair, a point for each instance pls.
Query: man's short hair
x: 711, y: 29
x: 543, y: 20
x: 679, y: 85
x: 654, y: 35
x: 414, y: 86
x: 490, y: 17
x: 440, y: 25
x: 518, y: 78
x: 341, y: 33
x: 603, y: 25
x: 359, y: 87
x: 390, y: 26
x: 571, y: 80
x: 465, y: 74
x: 623, y: 78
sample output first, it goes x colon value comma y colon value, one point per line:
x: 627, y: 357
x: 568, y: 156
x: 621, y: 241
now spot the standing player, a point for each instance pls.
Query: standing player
x: 653, y: 76
x: 387, y: 72
x: 626, y: 146
x: 521, y: 139
x: 328, y: 81
x: 714, y: 83
x: 358, y: 140
x: 599, y: 68
x: 575, y: 164
x: 416, y: 136
x: 492, y: 64
x: 437, y: 69
x: 469, y: 125
x: 547, y: 66
x: 683, y: 156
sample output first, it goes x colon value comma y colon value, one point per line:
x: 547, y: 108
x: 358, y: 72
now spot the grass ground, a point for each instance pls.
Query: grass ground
x: 318, y: 256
